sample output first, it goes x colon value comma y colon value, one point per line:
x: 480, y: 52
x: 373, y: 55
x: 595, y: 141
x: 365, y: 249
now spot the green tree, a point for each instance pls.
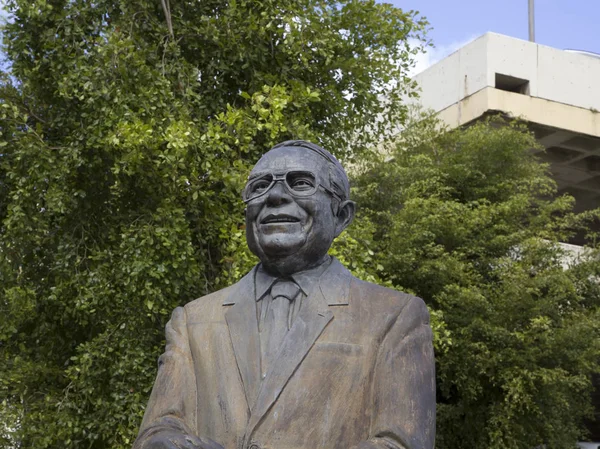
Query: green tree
x: 469, y: 220
x: 127, y: 129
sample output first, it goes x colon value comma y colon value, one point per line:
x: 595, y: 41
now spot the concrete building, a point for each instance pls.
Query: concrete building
x: 556, y: 91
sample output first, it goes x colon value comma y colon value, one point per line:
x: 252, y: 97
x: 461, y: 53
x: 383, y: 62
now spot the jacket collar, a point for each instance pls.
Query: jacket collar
x: 334, y: 283
x: 306, y: 280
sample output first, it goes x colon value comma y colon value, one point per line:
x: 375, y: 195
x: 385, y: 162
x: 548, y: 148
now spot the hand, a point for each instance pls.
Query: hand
x: 177, y: 440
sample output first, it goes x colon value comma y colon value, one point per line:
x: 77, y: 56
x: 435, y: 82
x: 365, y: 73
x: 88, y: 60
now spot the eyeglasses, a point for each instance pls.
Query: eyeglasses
x: 298, y: 183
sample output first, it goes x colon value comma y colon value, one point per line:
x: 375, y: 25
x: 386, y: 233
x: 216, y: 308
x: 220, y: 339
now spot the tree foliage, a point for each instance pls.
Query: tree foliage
x: 126, y: 134
x: 126, y: 137
x: 469, y: 220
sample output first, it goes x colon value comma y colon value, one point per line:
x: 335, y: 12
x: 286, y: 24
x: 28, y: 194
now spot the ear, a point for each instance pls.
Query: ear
x: 346, y: 211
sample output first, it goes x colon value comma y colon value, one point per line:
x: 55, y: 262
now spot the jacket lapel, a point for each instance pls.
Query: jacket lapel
x: 312, y: 319
x: 243, y: 330
x: 307, y: 327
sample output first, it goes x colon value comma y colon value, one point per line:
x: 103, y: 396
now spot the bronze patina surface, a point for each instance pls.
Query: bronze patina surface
x: 299, y: 354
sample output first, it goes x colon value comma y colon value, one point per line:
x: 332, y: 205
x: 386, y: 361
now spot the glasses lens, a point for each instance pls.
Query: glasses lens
x: 258, y: 186
x: 301, y: 183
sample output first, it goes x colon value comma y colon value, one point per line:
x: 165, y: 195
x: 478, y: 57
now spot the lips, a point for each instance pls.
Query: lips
x: 279, y: 218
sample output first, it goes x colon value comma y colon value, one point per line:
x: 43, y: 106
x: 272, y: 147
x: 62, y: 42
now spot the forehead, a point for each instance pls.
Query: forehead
x: 291, y: 158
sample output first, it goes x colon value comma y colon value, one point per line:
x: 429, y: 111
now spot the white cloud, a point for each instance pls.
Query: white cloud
x: 435, y: 54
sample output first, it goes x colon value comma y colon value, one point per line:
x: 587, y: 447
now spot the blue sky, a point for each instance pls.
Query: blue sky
x: 564, y: 24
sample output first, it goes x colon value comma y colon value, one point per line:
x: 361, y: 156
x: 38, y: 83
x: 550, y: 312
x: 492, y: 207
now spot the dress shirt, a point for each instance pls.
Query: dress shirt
x: 263, y: 282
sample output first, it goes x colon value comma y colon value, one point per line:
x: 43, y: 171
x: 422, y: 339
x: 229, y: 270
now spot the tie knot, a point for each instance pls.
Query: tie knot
x: 285, y: 288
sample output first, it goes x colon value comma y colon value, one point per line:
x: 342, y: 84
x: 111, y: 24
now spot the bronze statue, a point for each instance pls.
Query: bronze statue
x: 299, y: 354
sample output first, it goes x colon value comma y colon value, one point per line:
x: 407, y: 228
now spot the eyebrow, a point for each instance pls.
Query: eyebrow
x: 258, y: 175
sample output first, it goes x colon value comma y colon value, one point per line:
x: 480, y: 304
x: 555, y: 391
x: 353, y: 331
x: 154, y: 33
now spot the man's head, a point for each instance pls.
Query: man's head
x: 297, y: 201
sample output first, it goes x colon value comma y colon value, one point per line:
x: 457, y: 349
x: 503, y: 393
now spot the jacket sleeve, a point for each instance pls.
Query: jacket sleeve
x: 404, y: 384
x: 172, y: 405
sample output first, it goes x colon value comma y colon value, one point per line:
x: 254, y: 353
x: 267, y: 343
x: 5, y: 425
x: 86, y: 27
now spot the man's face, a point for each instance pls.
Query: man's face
x: 286, y: 228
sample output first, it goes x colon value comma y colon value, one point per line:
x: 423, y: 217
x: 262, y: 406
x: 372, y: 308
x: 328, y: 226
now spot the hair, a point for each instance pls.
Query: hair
x: 338, y: 179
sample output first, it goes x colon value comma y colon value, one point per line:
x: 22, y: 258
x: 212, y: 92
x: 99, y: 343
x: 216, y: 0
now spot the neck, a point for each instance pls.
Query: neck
x: 282, y: 267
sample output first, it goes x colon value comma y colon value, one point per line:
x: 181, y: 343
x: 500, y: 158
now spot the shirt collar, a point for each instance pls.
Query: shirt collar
x: 263, y: 281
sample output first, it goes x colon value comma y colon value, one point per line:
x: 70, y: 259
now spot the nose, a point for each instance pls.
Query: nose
x: 278, y: 195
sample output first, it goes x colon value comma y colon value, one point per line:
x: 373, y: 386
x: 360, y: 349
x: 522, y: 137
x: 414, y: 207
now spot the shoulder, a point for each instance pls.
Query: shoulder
x: 211, y: 298
x: 212, y: 304
x: 386, y: 300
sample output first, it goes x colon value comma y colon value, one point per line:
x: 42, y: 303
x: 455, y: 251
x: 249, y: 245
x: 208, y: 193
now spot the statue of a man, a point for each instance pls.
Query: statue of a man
x: 299, y: 354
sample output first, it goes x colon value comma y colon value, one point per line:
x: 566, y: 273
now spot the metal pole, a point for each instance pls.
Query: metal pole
x: 531, y: 21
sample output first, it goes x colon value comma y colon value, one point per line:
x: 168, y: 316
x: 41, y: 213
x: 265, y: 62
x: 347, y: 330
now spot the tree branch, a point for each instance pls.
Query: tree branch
x: 167, y: 10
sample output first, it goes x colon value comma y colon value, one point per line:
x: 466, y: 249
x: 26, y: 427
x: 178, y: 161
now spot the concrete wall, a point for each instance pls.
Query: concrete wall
x: 553, y: 74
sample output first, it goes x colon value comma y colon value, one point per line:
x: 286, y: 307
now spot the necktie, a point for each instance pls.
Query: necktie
x: 283, y: 292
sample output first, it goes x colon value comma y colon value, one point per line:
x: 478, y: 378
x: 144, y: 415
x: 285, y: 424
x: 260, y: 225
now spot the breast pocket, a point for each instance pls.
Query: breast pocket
x: 340, y: 348
x: 335, y: 358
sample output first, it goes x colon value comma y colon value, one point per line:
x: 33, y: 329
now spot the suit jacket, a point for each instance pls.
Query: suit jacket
x: 356, y: 369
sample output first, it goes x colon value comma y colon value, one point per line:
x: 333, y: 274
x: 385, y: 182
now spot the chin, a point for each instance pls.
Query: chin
x: 281, y: 244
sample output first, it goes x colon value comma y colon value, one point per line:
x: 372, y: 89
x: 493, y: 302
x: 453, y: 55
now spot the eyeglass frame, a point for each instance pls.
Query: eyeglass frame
x: 282, y: 178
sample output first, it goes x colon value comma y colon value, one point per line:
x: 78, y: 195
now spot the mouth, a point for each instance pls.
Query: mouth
x: 280, y: 218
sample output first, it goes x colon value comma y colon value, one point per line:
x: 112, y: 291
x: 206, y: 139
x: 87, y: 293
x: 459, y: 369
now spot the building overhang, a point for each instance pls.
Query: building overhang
x: 531, y: 109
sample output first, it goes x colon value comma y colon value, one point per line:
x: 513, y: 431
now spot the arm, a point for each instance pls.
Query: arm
x: 170, y: 417
x: 404, y: 384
